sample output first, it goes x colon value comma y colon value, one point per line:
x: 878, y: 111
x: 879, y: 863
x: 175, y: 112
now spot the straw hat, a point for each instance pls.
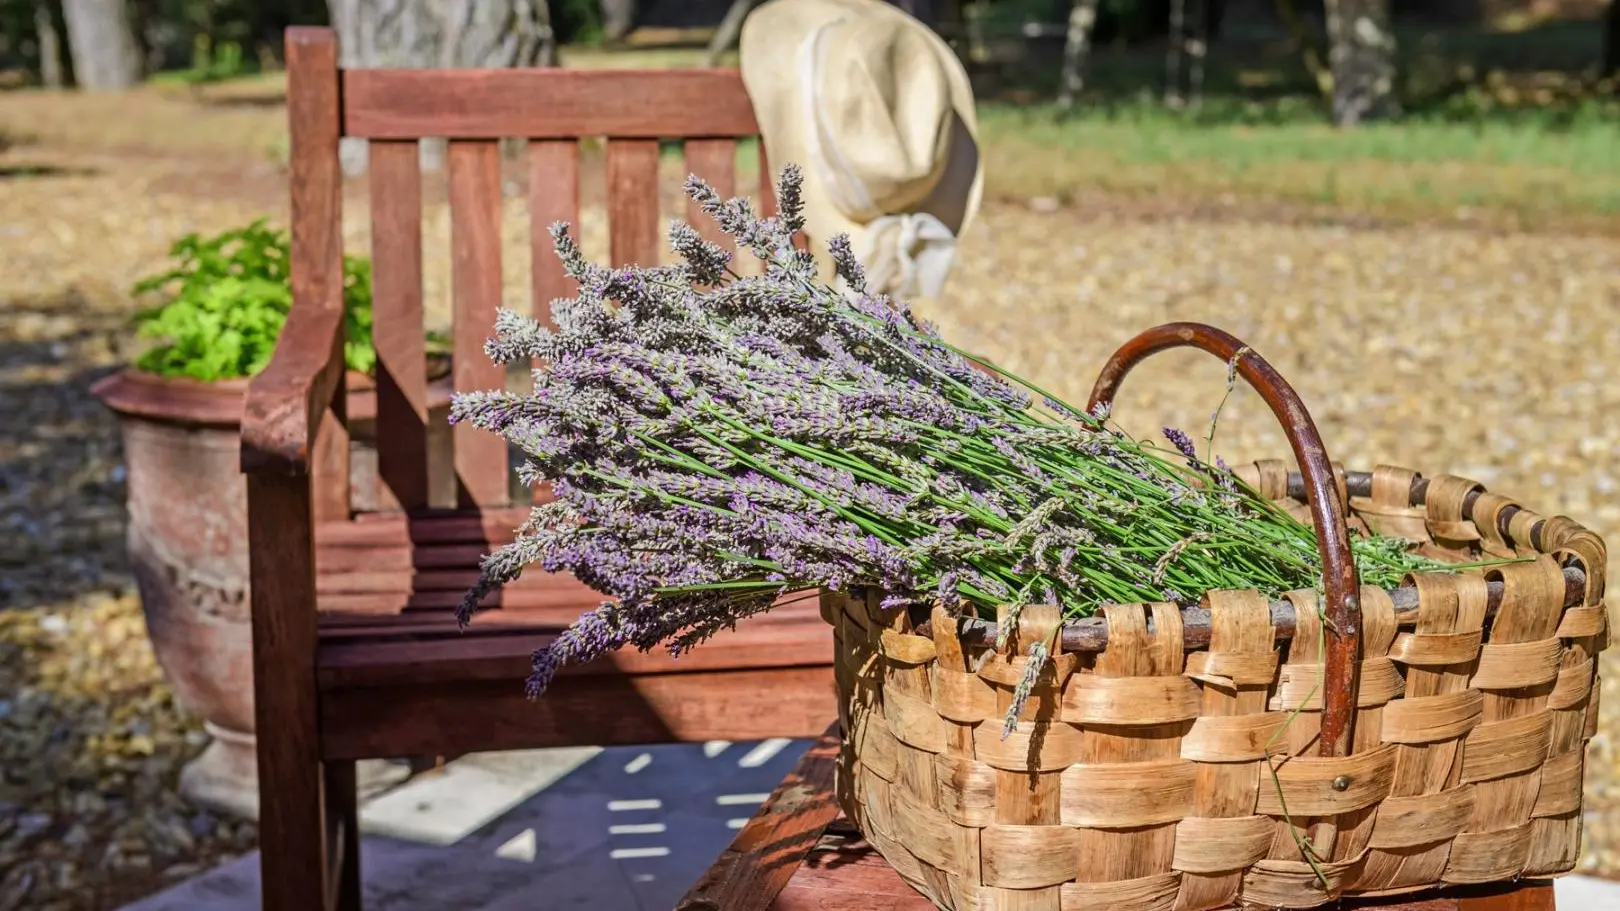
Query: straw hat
x: 878, y: 113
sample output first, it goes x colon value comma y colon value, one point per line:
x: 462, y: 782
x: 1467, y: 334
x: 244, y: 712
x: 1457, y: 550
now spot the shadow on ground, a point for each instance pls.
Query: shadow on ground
x: 32, y: 171
x: 631, y: 828
x: 61, y: 473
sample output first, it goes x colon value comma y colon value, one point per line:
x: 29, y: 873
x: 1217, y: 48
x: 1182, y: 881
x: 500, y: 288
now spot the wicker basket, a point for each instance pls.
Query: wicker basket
x: 1449, y: 749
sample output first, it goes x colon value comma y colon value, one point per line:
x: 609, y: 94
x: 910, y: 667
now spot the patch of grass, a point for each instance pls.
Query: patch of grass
x: 1534, y: 166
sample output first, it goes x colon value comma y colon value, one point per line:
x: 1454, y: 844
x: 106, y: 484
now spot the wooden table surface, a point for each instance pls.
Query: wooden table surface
x: 800, y: 854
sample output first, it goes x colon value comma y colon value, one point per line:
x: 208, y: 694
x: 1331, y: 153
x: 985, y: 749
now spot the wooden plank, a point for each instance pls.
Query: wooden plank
x: 397, y: 327
x: 421, y: 603
x: 337, y: 560
x: 472, y: 715
x: 545, y: 103
x: 553, y: 197
x: 281, y: 552
x: 458, y: 579
x: 1536, y: 896
x: 767, y: 205
x: 446, y: 527
x: 632, y: 193
x: 547, y: 606
x: 475, y: 266
x: 401, y: 580
x: 863, y: 882
x: 774, y: 843
x: 329, y: 456
x: 790, y: 636
x: 345, y: 627
x: 714, y: 160
x: 767, y: 184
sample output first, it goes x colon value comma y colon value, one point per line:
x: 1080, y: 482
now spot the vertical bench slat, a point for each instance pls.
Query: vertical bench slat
x: 329, y: 458
x: 396, y: 254
x: 714, y: 160
x: 475, y: 273
x: 632, y: 184
x: 767, y: 184
x: 553, y: 197
x: 767, y: 196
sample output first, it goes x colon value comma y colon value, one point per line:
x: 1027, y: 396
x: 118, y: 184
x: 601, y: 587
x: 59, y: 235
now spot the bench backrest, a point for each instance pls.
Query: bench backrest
x: 632, y: 110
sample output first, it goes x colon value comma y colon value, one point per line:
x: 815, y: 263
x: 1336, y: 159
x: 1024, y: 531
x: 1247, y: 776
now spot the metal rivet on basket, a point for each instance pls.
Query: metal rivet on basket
x: 1342, y: 783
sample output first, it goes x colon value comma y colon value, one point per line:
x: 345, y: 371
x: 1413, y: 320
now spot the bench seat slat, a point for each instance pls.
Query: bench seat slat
x: 801, y: 638
x: 424, y: 714
x: 370, y: 530
x: 386, y: 603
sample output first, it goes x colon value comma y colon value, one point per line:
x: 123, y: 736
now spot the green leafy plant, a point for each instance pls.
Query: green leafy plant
x: 227, y: 300
x: 212, y: 62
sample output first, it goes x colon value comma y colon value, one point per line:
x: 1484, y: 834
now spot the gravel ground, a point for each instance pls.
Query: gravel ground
x: 1492, y: 355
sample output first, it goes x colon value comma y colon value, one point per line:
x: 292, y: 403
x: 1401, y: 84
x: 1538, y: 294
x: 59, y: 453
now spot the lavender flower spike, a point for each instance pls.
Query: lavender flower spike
x: 1182, y: 442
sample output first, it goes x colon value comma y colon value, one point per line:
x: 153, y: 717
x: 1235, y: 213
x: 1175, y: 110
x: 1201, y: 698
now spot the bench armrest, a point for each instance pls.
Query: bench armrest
x: 286, y: 400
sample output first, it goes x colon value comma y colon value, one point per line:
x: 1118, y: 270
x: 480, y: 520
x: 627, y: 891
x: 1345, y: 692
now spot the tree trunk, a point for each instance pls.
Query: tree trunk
x: 102, y: 44
x: 977, y: 41
x: 1193, y: 24
x: 50, y: 46
x: 726, y: 35
x: 1611, y: 40
x: 1361, y: 52
x: 921, y: 10
x: 618, y: 19
x: 1076, y: 44
x: 438, y: 33
x: 546, y: 35
x: 1198, y: 51
x: 1177, y: 47
x: 1305, y: 43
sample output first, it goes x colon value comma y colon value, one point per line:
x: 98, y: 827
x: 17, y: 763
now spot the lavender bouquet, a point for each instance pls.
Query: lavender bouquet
x: 716, y: 440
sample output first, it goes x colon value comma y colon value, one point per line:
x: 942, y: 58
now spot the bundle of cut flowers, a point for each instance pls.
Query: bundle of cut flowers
x: 715, y: 440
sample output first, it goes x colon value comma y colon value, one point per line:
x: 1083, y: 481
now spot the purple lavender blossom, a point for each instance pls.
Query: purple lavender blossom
x: 1182, y: 442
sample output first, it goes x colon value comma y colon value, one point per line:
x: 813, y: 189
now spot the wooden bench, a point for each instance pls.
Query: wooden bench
x: 356, y: 653
x: 799, y: 854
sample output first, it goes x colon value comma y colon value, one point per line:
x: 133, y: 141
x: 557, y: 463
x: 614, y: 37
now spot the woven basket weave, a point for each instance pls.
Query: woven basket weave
x: 1180, y: 765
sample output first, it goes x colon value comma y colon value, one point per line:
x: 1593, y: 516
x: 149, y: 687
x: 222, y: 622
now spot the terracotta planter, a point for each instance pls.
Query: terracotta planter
x: 187, y: 539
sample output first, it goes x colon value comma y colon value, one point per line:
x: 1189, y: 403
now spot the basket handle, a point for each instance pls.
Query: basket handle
x: 1339, y: 580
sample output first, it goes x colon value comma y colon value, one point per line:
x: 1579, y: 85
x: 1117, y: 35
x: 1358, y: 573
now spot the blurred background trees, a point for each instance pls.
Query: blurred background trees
x: 1347, y: 49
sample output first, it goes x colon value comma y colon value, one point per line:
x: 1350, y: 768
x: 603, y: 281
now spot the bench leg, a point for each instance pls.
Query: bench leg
x: 295, y: 838
x: 343, y: 820
x: 309, y: 842
x: 294, y: 863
